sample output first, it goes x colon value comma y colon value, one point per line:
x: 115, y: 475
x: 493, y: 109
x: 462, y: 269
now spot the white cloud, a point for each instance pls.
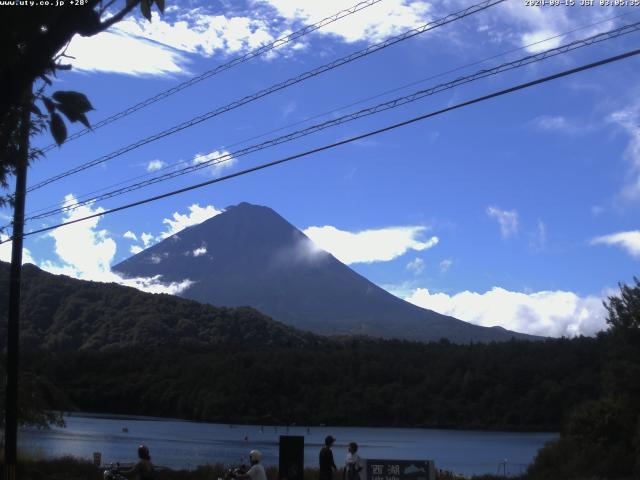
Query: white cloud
x: 117, y: 52
x: 628, y: 119
x: 369, y: 246
x: 196, y: 215
x: 554, y: 123
x: 146, y: 238
x: 416, y: 265
x: 86, y: 253
x: 535, y: 40
x: 196, y: 32
x: 288, y: 108
x: 508, y: 220
x: 445, y: 265
x: 629, y: 241
x: 531, y: 25
x: 220, y: 160
x: 130, y: 235
x: 546, y: 313
x: 199, y: 251
x: 5, y: 251
x: 163, y: 46
x: 539, y: 238
x: 135, y: 249
x: 371, y: 24
x: 155, y: 165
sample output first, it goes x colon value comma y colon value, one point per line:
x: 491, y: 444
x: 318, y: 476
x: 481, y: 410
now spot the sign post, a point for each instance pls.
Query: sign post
x: 291, y: 462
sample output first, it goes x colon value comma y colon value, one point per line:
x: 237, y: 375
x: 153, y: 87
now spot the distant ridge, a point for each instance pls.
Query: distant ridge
x: 251, y: 256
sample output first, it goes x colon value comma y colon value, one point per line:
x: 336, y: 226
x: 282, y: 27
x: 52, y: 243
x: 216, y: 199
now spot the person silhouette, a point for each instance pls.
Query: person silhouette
x: 327, y: 465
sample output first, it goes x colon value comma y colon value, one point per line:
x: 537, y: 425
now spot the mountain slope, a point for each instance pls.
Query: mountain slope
x: 250, y: 255
x: 64, y: 314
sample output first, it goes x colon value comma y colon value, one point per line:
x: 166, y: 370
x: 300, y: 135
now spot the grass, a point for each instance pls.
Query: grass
x: 70, y: 468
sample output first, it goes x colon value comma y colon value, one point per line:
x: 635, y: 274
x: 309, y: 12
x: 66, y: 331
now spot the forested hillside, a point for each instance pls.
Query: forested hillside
x: 107, y: 348
x: 61, y: 314
x: 513, y: 385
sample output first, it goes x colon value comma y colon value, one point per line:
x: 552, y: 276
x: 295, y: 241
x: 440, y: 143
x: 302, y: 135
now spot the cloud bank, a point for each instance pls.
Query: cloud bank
x: 372, y: 24
x: 86, y: 252
x: 5, y: 251
x: 546, y: 313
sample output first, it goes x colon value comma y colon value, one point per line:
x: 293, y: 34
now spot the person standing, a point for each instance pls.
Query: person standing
x: 327, y: 465
x: 352, y: 464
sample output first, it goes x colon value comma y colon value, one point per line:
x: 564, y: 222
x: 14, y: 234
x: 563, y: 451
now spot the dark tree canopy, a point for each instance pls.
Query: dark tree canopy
x: 601, y: 438
x: 624, y: 310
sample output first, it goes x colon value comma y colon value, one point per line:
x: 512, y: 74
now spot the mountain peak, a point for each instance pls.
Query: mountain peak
x: 251, y: 256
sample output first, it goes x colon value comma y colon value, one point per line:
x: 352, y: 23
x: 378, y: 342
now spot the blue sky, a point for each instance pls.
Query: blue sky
x: 521, y: 211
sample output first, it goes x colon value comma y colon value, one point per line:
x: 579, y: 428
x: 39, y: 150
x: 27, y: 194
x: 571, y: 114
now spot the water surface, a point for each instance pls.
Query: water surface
x: 183, y: 444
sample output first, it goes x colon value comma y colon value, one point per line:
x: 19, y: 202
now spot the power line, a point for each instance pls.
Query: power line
x: 90, y: 195
x: 394, y: 126
x: 397, y: 102
x: 279, y: 42
x: 274, y: 88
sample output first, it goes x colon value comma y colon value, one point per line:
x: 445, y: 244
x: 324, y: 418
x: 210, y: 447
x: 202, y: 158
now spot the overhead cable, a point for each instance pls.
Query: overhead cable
x: 306, y: 153
x: 274, y: 88
x: 173, y: 166
x: 257, y: 52
x: 202, y: 162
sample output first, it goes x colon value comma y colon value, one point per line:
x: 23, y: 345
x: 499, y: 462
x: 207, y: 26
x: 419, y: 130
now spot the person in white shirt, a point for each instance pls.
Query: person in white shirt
x: 352, y: 464
x: 256, y: 472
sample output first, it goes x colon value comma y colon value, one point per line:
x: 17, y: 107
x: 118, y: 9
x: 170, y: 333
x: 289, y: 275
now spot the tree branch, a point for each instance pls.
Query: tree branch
x: 103, y: 8
x: 118, y: 16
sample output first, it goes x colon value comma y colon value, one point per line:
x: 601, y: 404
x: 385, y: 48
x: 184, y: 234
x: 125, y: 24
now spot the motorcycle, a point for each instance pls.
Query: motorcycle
x: 112, y: 472
x: 233, y: 472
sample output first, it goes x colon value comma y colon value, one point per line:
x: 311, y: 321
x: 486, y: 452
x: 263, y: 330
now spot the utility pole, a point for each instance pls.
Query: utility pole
x: 13, y: 328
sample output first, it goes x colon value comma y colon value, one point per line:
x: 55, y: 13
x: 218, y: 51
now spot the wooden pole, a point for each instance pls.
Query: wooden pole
x: 13, y: 333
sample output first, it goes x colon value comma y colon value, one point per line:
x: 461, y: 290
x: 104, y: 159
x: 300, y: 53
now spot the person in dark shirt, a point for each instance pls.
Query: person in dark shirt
x: 327, y: 465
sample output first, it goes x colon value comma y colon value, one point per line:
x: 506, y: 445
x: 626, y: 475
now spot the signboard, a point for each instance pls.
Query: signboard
x: 401, y: 470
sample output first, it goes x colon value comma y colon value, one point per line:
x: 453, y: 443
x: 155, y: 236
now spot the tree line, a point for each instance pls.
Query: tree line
x: 514, y: 385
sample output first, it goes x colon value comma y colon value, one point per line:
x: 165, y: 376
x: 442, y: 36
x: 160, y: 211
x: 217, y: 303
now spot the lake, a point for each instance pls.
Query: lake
x: 183, y: 444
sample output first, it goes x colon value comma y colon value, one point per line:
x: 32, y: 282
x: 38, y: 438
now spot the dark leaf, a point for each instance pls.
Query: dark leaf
x: 145, y: 8
x: 63, y: 66
x: 160, y: 4
x: 58, y: 128
x: 34, y: 109
x: 49, y: 104
x: 46, y: 79
x: 84, y: 120
x: 90, y: 24
x: 70, y: 113
x: 75, y: 101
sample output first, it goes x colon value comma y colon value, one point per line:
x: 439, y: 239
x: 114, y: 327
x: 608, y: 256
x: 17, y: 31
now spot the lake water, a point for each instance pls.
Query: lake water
x: 182, y: 444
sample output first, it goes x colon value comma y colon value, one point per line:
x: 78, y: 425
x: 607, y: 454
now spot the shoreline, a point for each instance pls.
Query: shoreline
x: 133, y: 417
